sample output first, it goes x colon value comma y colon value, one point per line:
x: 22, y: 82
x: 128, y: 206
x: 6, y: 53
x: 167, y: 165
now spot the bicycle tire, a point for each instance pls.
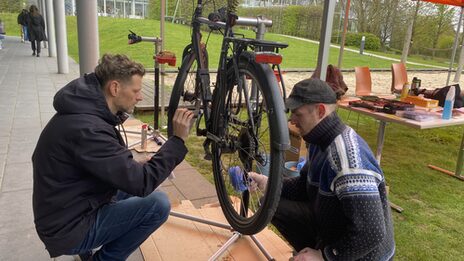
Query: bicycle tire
x: 184, y: 81
x: 255, y: 209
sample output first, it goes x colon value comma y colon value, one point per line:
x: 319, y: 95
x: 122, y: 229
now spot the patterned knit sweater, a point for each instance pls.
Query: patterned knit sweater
x: 344, y: 186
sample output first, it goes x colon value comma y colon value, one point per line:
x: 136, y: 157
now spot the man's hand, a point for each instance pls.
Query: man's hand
x: 182, y: 122
x: 308, y: 254
x: 258, y: 181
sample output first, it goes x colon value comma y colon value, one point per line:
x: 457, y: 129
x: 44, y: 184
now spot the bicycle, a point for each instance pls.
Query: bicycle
x: 245, y: 121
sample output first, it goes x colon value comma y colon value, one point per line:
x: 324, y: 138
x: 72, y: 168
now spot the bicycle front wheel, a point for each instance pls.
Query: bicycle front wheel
x: 250, y: 126
x: 186, y: 92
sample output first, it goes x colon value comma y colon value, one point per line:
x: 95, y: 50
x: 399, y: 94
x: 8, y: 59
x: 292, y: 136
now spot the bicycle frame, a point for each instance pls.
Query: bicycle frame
x: 246, y: 125
x: 238, y: 47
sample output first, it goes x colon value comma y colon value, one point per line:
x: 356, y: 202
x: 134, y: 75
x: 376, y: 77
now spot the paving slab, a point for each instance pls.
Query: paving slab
x: 17, y: 176
x: 193, y: 185
x: 22, y: 245
x: 16, y: 211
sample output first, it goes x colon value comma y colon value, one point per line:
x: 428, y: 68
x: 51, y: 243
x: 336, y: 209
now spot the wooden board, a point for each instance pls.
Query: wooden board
x: 182, y: 239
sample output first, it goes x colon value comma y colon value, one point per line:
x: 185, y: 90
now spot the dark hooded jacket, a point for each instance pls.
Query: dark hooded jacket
x: 80, y: 162
x: 36, y: 28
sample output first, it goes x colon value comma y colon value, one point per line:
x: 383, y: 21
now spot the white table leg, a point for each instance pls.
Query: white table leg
x: 380, y: 140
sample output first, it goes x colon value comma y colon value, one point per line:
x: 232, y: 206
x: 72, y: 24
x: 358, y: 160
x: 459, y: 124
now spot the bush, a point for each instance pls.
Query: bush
x: 296, y: 20
x: 372, y: 42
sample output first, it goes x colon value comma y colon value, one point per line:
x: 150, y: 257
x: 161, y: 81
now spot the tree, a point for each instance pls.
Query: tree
x: 388, y: 18
x: 185, y: 9
x: 443, y: 21
x: 11, y: 6
x: 368, y: 15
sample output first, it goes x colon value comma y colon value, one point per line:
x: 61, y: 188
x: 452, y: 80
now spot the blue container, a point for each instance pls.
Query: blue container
x: 447, y: 110
x: 290, y: 169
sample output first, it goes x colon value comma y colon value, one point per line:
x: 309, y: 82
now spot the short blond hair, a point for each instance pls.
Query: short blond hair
x: 117, y: 67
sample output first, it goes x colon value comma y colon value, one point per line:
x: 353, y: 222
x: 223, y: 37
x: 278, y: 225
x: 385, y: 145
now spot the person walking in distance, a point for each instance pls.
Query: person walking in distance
x: 36, y: 29
x: 22, y: 20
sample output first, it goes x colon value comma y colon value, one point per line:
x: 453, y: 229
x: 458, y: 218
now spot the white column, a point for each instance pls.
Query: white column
x: 143, y: 10
x: 87, y: 35
x: 61, y: 40
x: 73, y: 7
x: 50, y: 28
x: 326, y: 34
x: 41, y: 6
x: 133, y: 8
x: 124, y: 8
x: 104, y: 8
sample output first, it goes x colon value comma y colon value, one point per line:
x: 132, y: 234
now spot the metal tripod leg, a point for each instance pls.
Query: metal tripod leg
x: 235, y: 235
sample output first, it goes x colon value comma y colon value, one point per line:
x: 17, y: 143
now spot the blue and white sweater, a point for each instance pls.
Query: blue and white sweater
x: 345, y: 188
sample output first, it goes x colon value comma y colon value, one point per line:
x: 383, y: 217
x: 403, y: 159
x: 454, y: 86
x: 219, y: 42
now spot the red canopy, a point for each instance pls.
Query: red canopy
x: 447, y: 2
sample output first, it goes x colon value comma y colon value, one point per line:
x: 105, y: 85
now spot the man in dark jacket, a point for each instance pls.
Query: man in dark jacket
x: 81, y: 162
x: 22, y: 20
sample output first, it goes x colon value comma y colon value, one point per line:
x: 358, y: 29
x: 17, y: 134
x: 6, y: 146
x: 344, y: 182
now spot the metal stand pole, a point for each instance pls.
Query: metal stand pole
x: 156, y: 90
x: 157, y: 41
x: 378, y: 156
x: 235, y: 235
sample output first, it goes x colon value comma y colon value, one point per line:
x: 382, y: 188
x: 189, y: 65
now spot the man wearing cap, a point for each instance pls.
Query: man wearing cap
x: 337, y: 209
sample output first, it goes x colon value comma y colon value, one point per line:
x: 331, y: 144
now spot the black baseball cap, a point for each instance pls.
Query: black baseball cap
x: 310, y: 91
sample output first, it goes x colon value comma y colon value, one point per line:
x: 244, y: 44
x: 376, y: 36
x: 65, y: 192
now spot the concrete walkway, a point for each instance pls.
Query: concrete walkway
x: 27, y: 87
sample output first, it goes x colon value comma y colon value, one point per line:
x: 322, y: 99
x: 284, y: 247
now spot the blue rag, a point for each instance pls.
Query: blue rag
x: 236, y: 178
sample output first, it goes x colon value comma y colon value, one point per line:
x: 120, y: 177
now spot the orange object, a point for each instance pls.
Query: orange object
x: 399, y: 77
x: 447, y: 2
x: 268, y: 57
x: 166, y: 57
x: 421, y: 101
x: 363, y: 81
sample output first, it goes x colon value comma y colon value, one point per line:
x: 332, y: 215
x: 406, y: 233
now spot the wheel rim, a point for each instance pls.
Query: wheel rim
x: 241, y: 153
x: 185, y: 92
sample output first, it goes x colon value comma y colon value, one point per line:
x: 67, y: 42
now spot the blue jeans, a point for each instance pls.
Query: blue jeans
x: 25, y: 34
x: 122, y: 226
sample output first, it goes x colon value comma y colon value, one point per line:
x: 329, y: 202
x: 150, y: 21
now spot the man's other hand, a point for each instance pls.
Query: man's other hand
x: 182, y: 122
x: 258, y: 181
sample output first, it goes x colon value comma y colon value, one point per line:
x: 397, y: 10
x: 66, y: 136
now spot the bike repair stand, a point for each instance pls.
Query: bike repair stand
x: 159, y: 57
x: 235, y: 235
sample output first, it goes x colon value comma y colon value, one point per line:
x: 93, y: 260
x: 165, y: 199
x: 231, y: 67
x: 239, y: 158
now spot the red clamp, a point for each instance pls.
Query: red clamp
x: 166, y: 57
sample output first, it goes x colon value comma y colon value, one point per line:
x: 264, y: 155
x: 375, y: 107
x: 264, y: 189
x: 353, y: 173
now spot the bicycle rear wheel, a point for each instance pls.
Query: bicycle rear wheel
x: 249, y: 120
x: 186, y: 91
